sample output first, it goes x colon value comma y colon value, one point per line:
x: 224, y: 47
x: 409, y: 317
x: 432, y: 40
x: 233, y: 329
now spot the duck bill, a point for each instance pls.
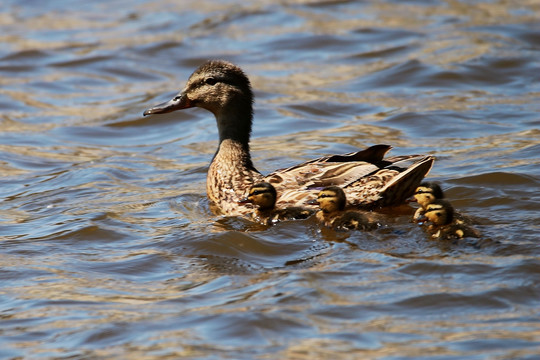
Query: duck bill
x: 179, y: 102
x: 244, y: 201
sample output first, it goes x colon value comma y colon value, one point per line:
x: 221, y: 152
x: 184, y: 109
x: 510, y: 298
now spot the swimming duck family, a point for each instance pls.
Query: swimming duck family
x: 443, y: 225
x: 332, y: 213
x: 367, y: 177
x: 263, y: 196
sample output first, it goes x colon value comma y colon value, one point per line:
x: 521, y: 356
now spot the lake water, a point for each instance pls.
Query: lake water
x: 109, y: 249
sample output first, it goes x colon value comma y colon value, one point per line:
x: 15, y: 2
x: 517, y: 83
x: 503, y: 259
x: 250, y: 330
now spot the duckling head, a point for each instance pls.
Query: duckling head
x: 428, y: 192
x: 221, y: 88
x: 331, y: 199
x: 440, y: 212
x: 263, y: 195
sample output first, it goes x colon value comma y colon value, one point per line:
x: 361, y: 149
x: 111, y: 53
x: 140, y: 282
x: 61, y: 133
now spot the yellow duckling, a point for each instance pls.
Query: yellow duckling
x: 368, y: 178
x: 332, y: 202
x: 263, y: 195
x: 443, y: 224
x: 424, y: 195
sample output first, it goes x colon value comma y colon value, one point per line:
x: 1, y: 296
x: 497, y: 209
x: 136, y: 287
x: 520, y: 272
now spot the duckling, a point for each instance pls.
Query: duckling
x: 424, y: 195
x: 263, y: 195
x: 443, y: 224
x: 427, y: 193
x: 332, y: 202
x: 367, y: 177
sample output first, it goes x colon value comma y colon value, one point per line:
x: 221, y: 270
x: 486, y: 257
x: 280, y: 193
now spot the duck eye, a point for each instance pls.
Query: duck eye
x: 210, y: 81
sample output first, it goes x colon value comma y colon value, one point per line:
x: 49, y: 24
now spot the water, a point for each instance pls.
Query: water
x: 109, y: 248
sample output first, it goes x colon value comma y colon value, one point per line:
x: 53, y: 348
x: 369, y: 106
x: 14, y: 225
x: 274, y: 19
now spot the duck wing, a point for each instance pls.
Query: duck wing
x: 330, y: 170
x: 367, y: 178
x: 372, y: 154
x: 392, y: 184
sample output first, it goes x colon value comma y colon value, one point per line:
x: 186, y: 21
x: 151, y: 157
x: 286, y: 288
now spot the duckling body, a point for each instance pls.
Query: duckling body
x: 263, y: 196
x: 443, y: 224
x: 332, y: 214
x: 367, y: 177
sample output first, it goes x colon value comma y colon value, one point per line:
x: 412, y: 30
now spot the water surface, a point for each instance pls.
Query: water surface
x: 109, y: 249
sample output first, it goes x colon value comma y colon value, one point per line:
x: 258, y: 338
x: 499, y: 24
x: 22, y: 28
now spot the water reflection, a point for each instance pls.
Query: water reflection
x: 108, y: 245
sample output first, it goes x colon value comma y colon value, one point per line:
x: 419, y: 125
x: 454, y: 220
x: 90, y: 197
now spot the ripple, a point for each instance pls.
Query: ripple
x: 108, y: 242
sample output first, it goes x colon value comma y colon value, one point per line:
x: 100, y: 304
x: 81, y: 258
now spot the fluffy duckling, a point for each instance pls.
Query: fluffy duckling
x: 443, y: 224
x: 332, y: 202
x: 263, y: 195
x: 424, y: 195
x: 427, y: 193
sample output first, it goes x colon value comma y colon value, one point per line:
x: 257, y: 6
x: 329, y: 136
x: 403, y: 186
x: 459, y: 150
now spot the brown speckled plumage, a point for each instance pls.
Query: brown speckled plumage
x: 368, y: 179
x: 225, y: 191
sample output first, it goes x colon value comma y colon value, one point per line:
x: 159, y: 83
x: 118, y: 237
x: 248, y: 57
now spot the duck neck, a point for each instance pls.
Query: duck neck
x: 234, y: 133
x: 234, y: 126
x: 325, y: 216
x: 230, y: 175
x: 234, y: 123
x: 231, y: 171
x: 232, y: 156
x: 329, y: 214
x: 264, y: 213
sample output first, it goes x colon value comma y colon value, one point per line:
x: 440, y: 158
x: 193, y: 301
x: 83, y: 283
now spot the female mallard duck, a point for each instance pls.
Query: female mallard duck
x: 443, y: 224
x: 332, y: 202
x: 263, y: 195
x: 426, y: 194
x: 223, y: 89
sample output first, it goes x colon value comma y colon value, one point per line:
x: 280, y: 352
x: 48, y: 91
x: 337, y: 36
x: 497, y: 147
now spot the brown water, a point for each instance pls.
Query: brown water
x: 109, y: 250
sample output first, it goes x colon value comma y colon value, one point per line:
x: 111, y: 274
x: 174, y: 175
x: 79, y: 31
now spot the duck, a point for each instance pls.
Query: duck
x: 368, y: 178
x: 426, y: 194
x: 332, y: 202
x: 263, y: 196
x: 443, y: 225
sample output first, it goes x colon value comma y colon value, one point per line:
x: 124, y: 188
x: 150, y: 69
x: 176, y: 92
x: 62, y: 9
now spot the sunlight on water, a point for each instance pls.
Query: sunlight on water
x: 109, y: 247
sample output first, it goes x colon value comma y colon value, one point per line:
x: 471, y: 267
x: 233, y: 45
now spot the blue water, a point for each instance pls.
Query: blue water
x: 109, y: 249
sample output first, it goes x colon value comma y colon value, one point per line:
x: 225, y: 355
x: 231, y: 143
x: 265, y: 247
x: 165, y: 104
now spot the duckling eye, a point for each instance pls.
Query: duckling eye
x: 210, y: 81
x: 438, y: 214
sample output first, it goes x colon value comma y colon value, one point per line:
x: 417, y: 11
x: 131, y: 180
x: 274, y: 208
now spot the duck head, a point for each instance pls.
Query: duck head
x: 331, y: 199
x: 221, y: 88
x: 439, y: 212
x: 263, y: 195
x: 427, y: 192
